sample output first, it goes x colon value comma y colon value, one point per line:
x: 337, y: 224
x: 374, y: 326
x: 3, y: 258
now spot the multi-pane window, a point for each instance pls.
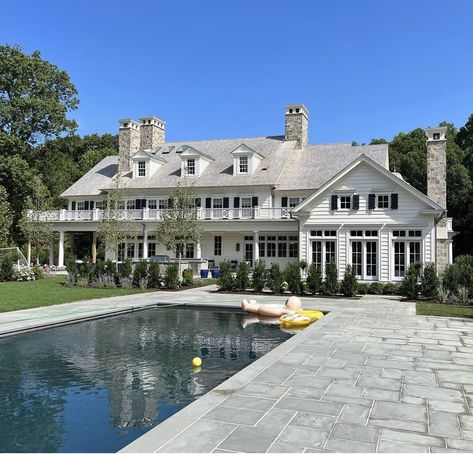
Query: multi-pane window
x: 152, y: 204
x: 323, y: 252
x: 243, y: 164
x: 130, y: 250
x: 190, y: 166
x: 130, y: 204
x: 383, y: 201
x: 329, y: 251
x: 217, y: 202
x: 151, y: 248
x: 345, y: 202
x: 282, y: 249
x: 99, y: 205
x: 262, y: 246
x: 189, y: 250
x: 218, y: 245
x: 371, y: 258
x: 121, y: 252
x: 80, y: 206
x: 399, y: 258
x: 245, y: 202
x: 323, y: 233
x: 293, y: 246
x: 141, y: 168
x: 357, y: 257
x: 271, y: 246
x: 414, y: 252
x: 162, y: 204
x: 293, y: 202
x: 317, y: 254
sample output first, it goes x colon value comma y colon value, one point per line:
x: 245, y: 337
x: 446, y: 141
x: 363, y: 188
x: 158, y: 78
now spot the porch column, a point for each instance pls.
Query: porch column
x: 60, y: 260
x: 29, y: 254
x: 255, y: 246
x: 94, y: 247
x: 198, y: 250
x: 51, y: 252
x: 145, y: 244
x: 450, y: 252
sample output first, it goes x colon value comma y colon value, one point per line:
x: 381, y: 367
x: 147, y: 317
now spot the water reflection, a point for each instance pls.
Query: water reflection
x: 97, y: 386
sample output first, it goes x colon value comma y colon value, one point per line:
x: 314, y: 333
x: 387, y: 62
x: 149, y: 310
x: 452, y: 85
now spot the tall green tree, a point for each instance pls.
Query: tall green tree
x: 6, y: 217
x: 35, y: 96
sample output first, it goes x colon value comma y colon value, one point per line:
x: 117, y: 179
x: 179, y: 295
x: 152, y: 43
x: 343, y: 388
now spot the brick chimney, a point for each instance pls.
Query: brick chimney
x: 297, y: 124
x: 437, y: 189
x: 128, y: 143
x: 152, y: 132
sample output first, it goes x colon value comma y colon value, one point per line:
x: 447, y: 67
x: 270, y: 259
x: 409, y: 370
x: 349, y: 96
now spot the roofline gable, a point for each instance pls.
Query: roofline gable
x: 243, y: 148
x: 367, y: 160
x: 191, y: 151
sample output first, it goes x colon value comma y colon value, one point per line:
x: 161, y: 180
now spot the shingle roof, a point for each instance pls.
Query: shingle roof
x: 281, y: 165
x: 314, y: 165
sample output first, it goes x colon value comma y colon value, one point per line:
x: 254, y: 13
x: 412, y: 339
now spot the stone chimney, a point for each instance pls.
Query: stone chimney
x: 128, y: 143
x: 297, y: 124
x: 437, y: 189
x: 152, y: 132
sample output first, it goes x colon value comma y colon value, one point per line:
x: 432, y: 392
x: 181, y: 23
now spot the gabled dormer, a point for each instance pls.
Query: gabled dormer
x: 144, y: 164
x: 193, y: 162
x: 245, y: 160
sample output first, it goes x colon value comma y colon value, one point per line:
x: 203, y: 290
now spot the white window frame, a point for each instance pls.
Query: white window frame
x: 191, y: 170
x: 345, y: 202
x: 243, y: 165
x: 378, y: 196
x: 80, y: 206
x: 141, y: 169
x: 407, y: 253
x: 323, y: 258
x: 214, y: 199
x: 364, y: 238
x: 152, y: 204
x: 293, y: 202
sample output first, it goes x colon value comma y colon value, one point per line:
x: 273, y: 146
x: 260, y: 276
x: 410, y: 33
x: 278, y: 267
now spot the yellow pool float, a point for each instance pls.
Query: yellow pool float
x: 294, y: 320
x: 313, y: 315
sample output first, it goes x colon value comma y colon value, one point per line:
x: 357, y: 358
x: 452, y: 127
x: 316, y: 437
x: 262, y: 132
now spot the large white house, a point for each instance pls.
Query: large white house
x: 277, y: 198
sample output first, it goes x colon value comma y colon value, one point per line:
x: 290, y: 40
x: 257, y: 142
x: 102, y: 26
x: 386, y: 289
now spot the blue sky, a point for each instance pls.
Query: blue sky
x: 216, y: 69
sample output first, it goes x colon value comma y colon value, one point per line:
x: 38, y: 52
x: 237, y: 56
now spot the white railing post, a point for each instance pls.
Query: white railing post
x: 62, y: 215
x: 256, y: 212
x: 95, y: 215
x: 145, y: 214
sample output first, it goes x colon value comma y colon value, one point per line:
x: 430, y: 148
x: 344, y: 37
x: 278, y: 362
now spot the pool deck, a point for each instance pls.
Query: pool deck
x: 371, y: 376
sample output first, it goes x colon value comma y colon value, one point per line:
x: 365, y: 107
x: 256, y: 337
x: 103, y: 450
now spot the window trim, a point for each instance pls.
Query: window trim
x: 141, y: 166
x: 240, y: 164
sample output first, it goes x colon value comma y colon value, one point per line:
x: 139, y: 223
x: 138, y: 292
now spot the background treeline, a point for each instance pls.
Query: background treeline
x: 41, y: 155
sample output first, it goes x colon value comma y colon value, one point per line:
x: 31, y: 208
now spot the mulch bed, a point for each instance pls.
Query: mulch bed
x: 308, y: 295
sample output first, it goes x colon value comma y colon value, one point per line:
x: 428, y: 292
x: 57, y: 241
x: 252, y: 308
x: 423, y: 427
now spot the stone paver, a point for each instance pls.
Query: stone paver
x: 370, y: 376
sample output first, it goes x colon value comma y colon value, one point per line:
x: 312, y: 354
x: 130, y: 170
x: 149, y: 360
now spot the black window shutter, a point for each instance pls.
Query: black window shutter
x: 284, y: 202
x: 236, y: 202
x: 73, y: 205
x: 226, y: 202
x: 371, y: 201
x: 334, y: 202
x: 143, y: 203
x: 197, y: 202
x: 208, y: 202
x: 394, y: 201
x: 170, y: 203
x: 356, y: 202
x: 92, y: 204
x: 254, y: 201
x: 138, y: 204
x: 86, y: 205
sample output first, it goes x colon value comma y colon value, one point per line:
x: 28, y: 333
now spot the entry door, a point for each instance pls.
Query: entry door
x: 249, y: 253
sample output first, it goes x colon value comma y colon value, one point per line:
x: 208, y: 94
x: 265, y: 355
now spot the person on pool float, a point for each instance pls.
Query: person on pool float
x: 292, y: 304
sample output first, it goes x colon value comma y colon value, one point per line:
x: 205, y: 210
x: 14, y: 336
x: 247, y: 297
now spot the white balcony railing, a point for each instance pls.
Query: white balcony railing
x: 147, y: 214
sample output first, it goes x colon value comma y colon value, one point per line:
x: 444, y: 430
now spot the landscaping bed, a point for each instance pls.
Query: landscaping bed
x: 444, y: 310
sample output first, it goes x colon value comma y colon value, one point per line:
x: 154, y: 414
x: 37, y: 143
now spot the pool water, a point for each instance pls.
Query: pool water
x: 97, y: 386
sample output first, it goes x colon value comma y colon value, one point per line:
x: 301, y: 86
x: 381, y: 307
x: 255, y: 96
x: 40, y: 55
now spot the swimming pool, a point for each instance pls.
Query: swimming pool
x: 97, y: 386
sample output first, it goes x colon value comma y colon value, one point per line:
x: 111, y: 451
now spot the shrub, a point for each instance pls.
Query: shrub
x: 331, y: 284
x: 140, y: 272
x: 443, y: 295
x: 103, y: 281
x: 460, y: 274
x: 349, y: 283
x: 85, y: 271
x: 259, y: 274
x: 376, y: 288
x: 171, y: 278
x: 225, y: 280
x: 430, y: 281
x: 110, y: 269
x: 390, y: 288
x: 82, y: 281
x: 98, y: 269
x: 410, y: 283
x: 126, y: 268
x: 363, y: 288
x: 292, y: 275
x: 314, y: 279
x: 303, y: 264
x: 143, y: 284
x: 71, y: 265
x: 38, y: 272
x: 154, y: 275
x: 188, y: 277
x: 275, y: 278
x: 70, y: 280
x: 242, y: 279
x: 6, y: 267
x: 462, y: 297
x: 126, y: 282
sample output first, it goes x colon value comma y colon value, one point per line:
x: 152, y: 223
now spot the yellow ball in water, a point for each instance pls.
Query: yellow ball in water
x: 196, y: 362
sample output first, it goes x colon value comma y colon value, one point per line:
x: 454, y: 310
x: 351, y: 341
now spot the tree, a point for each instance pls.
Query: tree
x: 35, y: 96
x: 180, y: 224
x: 34, y: 223
x: 349, y: 284
x: 6, y: 217
x: 115, y: 226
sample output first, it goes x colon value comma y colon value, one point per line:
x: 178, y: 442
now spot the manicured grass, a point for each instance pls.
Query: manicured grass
x: 49, y: 291
x: 444, y: 310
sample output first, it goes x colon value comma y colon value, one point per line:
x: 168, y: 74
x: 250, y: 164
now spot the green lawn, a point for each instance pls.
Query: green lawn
x: 49, y: 291
x: 444, y: 310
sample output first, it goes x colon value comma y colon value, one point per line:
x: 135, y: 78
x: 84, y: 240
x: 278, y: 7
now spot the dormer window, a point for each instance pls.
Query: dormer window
x: 190, y: 166
x: 243, y: 164
x: 141, y: 168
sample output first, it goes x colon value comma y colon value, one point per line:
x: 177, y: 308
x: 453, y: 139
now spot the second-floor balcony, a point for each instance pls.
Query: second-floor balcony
x: 146, y: 214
